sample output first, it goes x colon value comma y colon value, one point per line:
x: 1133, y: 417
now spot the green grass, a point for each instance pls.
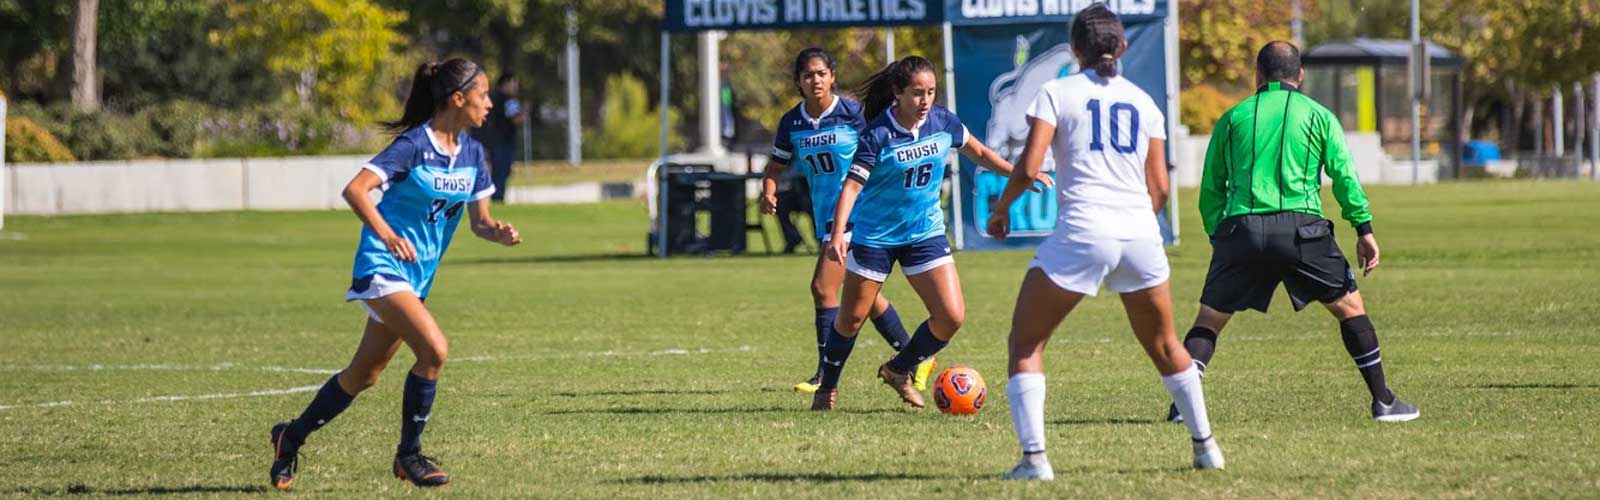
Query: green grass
x: 550, y: 172
x: 579, y: 370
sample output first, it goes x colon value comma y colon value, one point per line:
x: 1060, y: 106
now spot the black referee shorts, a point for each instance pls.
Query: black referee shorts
x: 1251, y: 254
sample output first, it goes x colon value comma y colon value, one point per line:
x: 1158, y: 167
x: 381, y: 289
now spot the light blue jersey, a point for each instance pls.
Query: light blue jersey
x: 900, y: 170
x: 426, y: 191
x: 821, y: 148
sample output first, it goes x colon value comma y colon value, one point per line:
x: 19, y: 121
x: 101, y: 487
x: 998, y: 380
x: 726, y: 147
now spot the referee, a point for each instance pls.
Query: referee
x: 1260, y: 203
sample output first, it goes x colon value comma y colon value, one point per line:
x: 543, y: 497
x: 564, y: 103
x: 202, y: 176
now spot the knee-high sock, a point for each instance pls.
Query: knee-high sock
x: 892, y: 330
x: 1191, y: 401
x: 1025, y: 393
x: 825, y: 317
x: 1201, y: 343
x: 836, y: 352
x: 923, y: 345
x: 416, y: 407
x: 329, y: 402
x: 1361, y: 341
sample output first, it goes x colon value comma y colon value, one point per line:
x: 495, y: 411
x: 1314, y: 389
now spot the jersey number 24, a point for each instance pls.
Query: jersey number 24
x: 439, y: 205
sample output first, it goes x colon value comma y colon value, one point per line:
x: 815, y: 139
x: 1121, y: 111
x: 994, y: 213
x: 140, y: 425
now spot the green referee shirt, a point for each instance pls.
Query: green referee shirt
x: 1267, y: 155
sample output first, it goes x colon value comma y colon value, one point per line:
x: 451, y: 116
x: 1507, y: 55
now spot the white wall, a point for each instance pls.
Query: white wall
x: 179, y: 185
x: 1372, y: 165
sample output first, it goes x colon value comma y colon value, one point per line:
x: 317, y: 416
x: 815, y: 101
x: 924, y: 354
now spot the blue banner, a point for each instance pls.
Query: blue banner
x: 701, y: 15
x: 1002, y: 69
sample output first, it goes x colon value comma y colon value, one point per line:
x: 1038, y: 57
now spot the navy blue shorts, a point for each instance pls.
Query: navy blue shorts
x: 875, y: 263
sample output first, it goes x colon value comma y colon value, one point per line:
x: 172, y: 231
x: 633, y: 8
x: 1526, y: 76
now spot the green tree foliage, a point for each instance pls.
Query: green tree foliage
x: 339, y: 54
x: 26, y: 141
x: 154, y: 51
x: 1218, y: 40
x: 629, y: 127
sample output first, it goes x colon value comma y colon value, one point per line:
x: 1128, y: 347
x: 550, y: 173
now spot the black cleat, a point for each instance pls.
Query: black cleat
x: 1173, y: 415
x: 420, y: 470
x: 285, y: 457
x: 1396, y: 411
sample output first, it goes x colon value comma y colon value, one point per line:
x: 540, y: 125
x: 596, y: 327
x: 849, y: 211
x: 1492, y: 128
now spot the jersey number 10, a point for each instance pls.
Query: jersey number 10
x: 1117, y: 110
x: 822, y: 163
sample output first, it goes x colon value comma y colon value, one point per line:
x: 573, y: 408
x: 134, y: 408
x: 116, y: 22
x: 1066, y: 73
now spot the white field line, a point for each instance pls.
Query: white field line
x: 165, y: 399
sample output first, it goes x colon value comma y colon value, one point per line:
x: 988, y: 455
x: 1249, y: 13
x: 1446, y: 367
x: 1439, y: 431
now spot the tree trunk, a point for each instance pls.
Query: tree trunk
x: 85, y: 89
x: 1511, y: 130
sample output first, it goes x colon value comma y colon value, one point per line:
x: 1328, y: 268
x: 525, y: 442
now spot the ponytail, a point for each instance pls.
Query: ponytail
x: 877, y: 93
x: 431, y: 86
x: 1097, y: 37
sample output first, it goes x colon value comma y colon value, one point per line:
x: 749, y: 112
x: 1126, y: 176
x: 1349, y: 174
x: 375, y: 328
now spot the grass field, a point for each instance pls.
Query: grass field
x: 582, y: 370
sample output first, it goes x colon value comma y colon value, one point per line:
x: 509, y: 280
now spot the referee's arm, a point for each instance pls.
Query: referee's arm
x: 1214, y: 178
x: 1346, y: 187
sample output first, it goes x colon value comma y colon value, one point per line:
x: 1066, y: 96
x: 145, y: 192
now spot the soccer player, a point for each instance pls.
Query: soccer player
x: 1108, y: 138
x: 1260, y: 202
x: 430, y: 174
x: 896, y: 174
x: 819, y: 136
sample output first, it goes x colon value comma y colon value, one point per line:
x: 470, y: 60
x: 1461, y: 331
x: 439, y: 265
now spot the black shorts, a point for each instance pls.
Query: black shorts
x: 1251, y: 254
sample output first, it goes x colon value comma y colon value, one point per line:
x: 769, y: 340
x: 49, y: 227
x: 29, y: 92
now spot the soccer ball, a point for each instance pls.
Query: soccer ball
x: 960, y: 390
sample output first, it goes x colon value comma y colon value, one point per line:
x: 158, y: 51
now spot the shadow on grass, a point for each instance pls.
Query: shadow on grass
x: 642, y: 392
x: 779, y: 477
x: 1535, y: 386
x: 614, y: 257
x: 702, y: 411
x: 84, y: 490
x: 1104, y: 421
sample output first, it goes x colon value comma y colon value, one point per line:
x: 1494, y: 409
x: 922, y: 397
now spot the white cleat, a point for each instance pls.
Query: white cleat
x: 1207, y: 455
x: 1028, y: 471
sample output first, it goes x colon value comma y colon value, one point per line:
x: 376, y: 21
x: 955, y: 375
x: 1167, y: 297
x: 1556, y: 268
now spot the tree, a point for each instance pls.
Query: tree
x: 1218, y: 40
x: 338, y: 55
x: 85, y: 81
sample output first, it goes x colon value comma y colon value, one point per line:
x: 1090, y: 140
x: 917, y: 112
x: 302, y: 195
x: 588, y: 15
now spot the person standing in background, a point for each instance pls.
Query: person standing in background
x: 499, y: 133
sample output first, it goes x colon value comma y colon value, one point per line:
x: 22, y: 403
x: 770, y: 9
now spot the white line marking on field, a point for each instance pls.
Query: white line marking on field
x: 165, y: 367
x: 164, y: 399
x: 13, y: 236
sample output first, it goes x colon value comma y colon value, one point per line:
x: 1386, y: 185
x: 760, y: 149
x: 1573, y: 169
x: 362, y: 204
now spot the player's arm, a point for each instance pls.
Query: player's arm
x: 1214, y: 178
x: 1155, y: 173
x: 1347, y: 190
x: 857, y: 178
x: 358, y: 195
x: 769, y: 185
x: 990, y: 160
x: 1040, y: 133
x: 486, y: 227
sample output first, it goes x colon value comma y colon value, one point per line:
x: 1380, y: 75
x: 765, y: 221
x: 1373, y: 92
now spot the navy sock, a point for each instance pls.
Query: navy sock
x: 923, y: 345
x: 825, y: 317
x: 889, y: 326
x: 836, y: 351
x: 1201, y: 343
x: 1361, y: 341
x: 415, y: 409
x: 329, y: 402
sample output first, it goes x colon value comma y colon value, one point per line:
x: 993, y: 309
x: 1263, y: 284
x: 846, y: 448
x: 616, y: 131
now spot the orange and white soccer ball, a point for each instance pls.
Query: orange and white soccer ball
x: 959, y: 390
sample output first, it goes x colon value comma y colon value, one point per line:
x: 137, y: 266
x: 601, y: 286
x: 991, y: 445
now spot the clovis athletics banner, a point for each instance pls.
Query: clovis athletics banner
x: 1000, y: 69
x: 700, y: 15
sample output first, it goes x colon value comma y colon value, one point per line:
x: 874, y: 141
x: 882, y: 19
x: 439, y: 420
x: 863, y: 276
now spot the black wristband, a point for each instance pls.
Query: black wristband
x: 1364, y: 228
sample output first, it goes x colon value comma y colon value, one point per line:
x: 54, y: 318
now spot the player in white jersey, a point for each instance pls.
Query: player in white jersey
x: 1108, y: 137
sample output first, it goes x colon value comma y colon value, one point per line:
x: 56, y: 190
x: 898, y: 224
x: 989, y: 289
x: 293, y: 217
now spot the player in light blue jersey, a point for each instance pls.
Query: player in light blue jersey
x: 892, y: 190
x: 819, y: 137
x: 431, y: 174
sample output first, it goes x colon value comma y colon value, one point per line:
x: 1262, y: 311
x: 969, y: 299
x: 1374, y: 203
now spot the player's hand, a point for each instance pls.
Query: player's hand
x: 506, y: 234
x: 1042, y: 179
x: 769, y: 204
x: 837, y: 249
x: 400, y: 248
x: 999, y: 223
x: 1367, y: 253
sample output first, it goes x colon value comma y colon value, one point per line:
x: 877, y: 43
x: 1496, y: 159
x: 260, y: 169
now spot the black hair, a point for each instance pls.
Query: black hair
x: 877, y: 93
x: 430, y: 86
x: 505, y: 77
x: 1096, y: 37
x: 807, y: 55
x: 1278, y: 61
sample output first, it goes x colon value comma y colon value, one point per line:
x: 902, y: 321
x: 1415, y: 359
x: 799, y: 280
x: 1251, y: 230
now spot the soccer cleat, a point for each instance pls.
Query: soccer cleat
x: 925, y: 370
x: 420, y: 470
x: 809, y: 386
x: 1398, y: 411
x: 285, y: 457
x: 823, y: 399
x: 1173, y: 415
x: 1207, y: 455
x: 902, y: 385
x: 1028, y: 471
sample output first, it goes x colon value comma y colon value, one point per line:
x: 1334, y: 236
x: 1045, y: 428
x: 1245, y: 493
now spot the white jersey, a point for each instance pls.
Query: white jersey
x: 1103, y: 132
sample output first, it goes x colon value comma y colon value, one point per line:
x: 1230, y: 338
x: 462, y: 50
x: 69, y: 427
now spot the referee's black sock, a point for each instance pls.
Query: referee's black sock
x: 1361, y: 341
x: 1201, y: 343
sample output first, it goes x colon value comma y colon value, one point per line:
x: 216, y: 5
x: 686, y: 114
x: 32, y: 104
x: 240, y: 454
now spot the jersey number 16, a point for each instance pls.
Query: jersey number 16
x: 919, y: 176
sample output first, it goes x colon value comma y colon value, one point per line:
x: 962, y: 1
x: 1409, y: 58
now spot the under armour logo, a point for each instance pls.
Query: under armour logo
x: 421, y: 419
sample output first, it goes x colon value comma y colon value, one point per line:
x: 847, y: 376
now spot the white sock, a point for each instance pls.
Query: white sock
x: 1025, y: 393
x: 1191, y: 401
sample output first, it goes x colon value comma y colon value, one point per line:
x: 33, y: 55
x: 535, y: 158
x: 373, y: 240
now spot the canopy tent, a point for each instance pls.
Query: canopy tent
x: 1007, y: 49
x: 1364, y: 82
